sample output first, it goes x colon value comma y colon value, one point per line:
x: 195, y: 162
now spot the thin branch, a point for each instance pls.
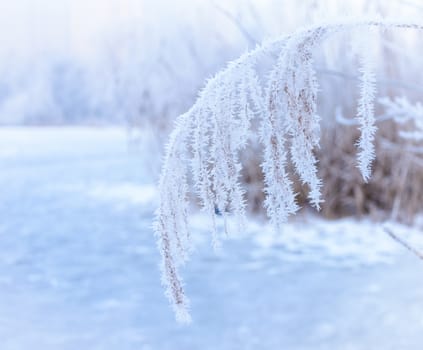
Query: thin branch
x: 251, y: 40
x: 403, y: 243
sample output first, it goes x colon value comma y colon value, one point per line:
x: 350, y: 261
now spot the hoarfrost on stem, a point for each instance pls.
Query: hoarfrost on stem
x: 205, y: 145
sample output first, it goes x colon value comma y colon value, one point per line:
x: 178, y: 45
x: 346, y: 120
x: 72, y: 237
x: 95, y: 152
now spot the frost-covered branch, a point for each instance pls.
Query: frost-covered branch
x: 365, y: 112
x: 207, y: 140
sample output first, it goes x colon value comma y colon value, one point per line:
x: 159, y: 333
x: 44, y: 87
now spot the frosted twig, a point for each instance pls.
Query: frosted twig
x: 403, y: 243
x: 207, y: 140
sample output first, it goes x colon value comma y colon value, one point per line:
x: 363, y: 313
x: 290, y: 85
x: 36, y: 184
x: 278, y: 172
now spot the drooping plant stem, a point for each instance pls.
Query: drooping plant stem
x: 205, y: 144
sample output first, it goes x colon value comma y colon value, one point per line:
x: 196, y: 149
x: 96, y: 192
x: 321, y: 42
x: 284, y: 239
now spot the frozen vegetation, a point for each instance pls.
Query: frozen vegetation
x: 79, y: 264
x: 312, y: 108
x: 236, y: 108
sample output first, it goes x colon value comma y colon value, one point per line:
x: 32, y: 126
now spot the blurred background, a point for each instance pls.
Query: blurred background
x: 89, y: 91
x: 139, y: 64
x: 132, y: 61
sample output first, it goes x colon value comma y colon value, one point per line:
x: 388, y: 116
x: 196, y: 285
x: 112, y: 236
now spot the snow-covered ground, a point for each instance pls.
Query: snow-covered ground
x: 79, y: 264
